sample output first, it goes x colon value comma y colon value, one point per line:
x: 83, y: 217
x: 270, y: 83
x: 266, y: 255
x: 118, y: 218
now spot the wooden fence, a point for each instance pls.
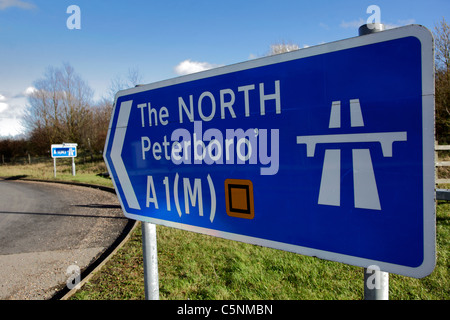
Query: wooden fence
x: 29, y: 160
x: 82, y: 157
x: 439, y: 163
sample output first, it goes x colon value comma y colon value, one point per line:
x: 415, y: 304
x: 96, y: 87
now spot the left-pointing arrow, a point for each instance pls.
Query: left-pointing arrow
x: 116, y: 154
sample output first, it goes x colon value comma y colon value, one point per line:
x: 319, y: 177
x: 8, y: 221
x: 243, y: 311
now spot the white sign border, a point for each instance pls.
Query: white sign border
x: 429, y: 216
x: 54, y: 146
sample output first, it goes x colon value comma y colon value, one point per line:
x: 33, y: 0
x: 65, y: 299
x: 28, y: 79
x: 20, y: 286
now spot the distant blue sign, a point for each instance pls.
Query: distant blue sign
x: 325, y: 151
x: 64, y: 151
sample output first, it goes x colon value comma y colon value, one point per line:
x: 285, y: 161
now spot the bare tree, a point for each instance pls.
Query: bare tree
x: 58, y: 109
x: 442, y: 45
x: 442, y: 50
x: 43, y: 109
x: 282, y: 48
x: 133, y: 78
x: 76, y: 101
x: 95, y: 133
x: 100, y: 112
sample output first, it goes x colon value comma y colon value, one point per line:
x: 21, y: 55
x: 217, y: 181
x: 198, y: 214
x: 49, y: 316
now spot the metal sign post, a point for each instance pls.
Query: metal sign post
x: 65, y: 150
x: 376, y: 282
x: 150, y: 254
x: 73, y: 166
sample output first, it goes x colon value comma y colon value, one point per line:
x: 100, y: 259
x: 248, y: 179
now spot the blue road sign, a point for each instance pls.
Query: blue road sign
x: 326, y: 151
x: 63, y: 151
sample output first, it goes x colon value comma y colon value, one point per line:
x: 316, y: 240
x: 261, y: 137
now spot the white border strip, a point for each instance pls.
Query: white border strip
x: 426, y: 39
x: 116, y: 154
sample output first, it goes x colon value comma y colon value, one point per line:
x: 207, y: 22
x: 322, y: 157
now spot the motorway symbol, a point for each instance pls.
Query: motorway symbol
x: 364, y: 183
x: 327, y: 151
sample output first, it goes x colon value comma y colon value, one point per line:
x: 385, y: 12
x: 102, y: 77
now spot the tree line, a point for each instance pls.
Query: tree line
x: 442, y: 81
x: 61, y: 109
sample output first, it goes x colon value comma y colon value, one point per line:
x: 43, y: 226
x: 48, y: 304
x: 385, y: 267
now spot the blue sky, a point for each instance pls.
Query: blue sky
x: 156, y: 36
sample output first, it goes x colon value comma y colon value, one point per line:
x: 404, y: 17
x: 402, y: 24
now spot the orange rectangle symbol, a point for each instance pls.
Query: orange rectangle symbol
x: 239, y: 198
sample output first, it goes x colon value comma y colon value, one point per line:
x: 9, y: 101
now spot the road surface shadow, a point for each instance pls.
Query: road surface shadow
x: 63, y: 215
x: 15, y: 177
x: 98, y: 206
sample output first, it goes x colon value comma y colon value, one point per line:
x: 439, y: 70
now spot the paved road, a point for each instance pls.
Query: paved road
x: 45, y: 228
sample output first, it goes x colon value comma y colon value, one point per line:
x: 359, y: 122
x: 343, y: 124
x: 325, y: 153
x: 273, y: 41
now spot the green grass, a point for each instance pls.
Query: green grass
x: 84, y: 172
x: 197, y: 267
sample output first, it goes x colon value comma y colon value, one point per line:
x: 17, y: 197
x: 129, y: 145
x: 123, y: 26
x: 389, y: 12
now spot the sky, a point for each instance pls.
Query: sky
x: 163, y: 39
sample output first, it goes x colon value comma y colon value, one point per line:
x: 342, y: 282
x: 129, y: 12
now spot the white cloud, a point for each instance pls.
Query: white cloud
x: 4, y: 4
x: 10, y: 127
x: 352, y: 24
x: 399, y: 23
x: 12, y: 109
x: 406, y: 22
x: 188, y: 66
x: 388, y: 25
x: 29, y: 91
x: 25, y: 93
x: 3, y: 106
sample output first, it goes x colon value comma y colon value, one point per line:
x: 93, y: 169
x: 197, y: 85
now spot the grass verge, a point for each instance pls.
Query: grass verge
x: 195, y: 266
x: 198, y: 267
x: 84, y: 173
